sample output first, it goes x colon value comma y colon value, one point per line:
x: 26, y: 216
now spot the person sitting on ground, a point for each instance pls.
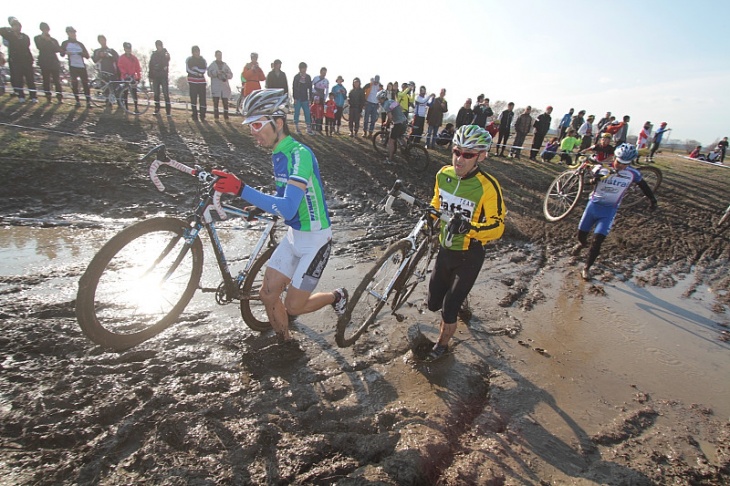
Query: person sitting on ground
x: 567, y: 145
x: 551, y: 150
x: 603, y: 149
x: 446, y: 136
x: 695, y: 154
x: 611, y: 185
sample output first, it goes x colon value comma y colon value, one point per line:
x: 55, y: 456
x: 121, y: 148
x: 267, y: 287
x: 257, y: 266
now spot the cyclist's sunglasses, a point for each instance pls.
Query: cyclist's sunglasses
x: 258, y: 125
x: 464, y: 155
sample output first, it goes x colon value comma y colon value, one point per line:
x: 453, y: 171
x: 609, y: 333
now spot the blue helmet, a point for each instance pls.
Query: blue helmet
x: 626, y: 153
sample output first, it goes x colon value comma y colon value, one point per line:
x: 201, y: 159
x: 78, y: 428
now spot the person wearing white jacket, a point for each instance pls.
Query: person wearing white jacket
x: 219, y: 74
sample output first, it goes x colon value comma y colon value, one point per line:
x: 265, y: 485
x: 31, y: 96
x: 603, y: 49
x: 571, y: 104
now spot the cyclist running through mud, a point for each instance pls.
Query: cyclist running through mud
x: 300, y: 258
x: 611, y: 185
x: 475, y: 198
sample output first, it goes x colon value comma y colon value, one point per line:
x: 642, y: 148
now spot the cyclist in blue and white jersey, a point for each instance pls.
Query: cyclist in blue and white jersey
x: 300, y: 258
x: 611, y: 185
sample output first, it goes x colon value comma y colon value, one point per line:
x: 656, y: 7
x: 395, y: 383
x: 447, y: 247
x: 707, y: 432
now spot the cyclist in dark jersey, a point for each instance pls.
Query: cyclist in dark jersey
x: 475, y: 199
x: 300, y: 258
x: 603, y: 148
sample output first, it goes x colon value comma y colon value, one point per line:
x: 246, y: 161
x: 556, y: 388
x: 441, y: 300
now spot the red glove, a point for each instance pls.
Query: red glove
x: 227, y: 183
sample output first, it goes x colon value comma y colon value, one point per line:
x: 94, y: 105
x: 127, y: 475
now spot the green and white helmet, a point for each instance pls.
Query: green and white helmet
x: 472, y: 137
x: 265, y: 102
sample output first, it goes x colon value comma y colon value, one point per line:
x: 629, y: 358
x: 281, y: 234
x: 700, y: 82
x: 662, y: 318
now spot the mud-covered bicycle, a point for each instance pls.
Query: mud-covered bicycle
x: 566, y: 189
x: 142, y: 279
x: 397, y: 272
x: 107, y: 91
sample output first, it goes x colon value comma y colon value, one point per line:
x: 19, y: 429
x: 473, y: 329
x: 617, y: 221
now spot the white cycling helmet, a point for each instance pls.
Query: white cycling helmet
x: 382, y: 95
x: 265, y: 102
x: 472, y: 137
x: 626, y: 153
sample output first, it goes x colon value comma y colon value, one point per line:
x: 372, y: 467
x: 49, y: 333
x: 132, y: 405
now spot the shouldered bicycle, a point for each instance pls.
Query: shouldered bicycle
x: 142, y: 279
x: 566, y: 190
x: 414, y: 153
x: 397, y: 272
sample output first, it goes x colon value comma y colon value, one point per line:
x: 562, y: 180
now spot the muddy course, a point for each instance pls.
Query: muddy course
x: 622, y: 380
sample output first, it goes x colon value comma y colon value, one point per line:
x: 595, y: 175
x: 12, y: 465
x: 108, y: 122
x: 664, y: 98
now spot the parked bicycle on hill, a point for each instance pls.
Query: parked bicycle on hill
x: 108, y: 92
x: 397, y: 272
x: 414, y: 153
x: 142, y: 279
x: 566, y: 190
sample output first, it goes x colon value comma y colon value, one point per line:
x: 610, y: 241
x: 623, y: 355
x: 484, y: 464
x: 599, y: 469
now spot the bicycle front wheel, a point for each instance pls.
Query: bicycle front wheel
x: 346, y: 112
x: 139, y: 283
x: 371, y: 295
x: 417, y: 155
x: 252, y: 308
x: 634, y: 195
x: 134, y: 106
x: 562, y: 195
x: 380, y: 143
x: 417, y: 272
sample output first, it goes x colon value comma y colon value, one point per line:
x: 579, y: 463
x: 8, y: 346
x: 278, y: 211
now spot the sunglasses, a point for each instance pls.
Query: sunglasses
x: 257, y: 126
x: 464, y: 155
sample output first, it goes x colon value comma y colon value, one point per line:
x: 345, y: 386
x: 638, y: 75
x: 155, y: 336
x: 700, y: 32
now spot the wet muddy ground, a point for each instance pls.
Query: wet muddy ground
x: 552, y: 381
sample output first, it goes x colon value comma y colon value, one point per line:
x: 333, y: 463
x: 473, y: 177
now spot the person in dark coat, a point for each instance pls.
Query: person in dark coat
x: 48, y: 49
x: 542, y: 126
x: 20, y: 59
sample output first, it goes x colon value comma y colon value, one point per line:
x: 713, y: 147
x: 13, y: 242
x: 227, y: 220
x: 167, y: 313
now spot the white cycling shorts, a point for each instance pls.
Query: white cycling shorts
x: 302, y: 256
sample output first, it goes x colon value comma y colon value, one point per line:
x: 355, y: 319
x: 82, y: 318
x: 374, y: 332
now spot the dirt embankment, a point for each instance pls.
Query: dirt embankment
x: 211, y: 402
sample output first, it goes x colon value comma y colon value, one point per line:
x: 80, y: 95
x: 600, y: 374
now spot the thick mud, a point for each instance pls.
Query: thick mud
x: 552, y: 381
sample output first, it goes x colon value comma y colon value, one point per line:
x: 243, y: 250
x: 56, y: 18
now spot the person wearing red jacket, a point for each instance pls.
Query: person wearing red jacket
x: 129, y: 70
x: 330, y: 114
x: 253, y: 75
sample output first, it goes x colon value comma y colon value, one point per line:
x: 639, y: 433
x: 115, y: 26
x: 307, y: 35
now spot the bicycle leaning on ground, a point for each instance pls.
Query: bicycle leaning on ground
x: 142, y: 279
x: 412, y: 152
x: 567, y: 188
x: 105, y: 91
x: 397, y: 272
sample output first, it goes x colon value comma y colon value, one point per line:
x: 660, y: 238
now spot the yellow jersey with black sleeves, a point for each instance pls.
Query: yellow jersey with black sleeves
x: 478, y: 197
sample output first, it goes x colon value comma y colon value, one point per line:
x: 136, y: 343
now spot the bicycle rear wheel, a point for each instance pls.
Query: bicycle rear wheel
x: 98, y: 91
x: 380, y: 143
x: 417, y: 272
x: 127, y: 102
x: 634, y: 195
x: 252, y: 308
x: 417, y: 155
x: 138, y: 283
x: 562, y: 195
x: 371, y: 295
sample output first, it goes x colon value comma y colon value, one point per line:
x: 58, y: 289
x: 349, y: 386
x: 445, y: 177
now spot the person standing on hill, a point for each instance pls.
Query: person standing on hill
x: 722, y: 145
x: 505, y: 124
x: 301, y: 93
x: 340, y: 93
x: 106, y: 60
x: 565, y: 123
x: 220, y: 89
x: 196, y: 67
x: 475, y: 200
x: 482, y: 112
x: 276, y: 79
x: 130, y: 70
x: 48, y: 48
x: 437, y: 107
x: 658, y: 139
x: 357, y: 103
x: 406, y: 98
x: 371, y: 105
x: 603, y: 203
x: 76, y: 53
x: 622, y: 133
x: 586, y: 132
x: 20, y: 59
x: 522, y: 128
x: 321, y: 86
x: 253, y: 75
x: 158, y: 71
x: 601, y: 124
x: 419, y: 115
x: 542, y: 126
x: 465, y: 116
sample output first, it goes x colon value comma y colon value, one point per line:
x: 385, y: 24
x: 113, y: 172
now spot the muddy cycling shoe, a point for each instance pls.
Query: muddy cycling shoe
x: 585, y: 274
x: 465, y: 313
x: 577, y: 248
x: 340, y: 303
x: 436, y: 353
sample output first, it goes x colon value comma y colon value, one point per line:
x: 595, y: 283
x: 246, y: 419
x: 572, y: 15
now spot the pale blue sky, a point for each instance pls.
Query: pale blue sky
x: 656, y: 61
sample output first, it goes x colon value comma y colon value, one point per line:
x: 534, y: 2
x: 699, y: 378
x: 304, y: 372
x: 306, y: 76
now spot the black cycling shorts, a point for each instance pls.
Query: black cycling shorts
x: 453, y: 277
x: 397, y: 131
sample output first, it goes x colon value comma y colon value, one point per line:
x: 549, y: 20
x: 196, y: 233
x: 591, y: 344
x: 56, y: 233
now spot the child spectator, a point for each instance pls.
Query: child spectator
x: 330, y: 112
x: 567, y: 145
x: 317, y: 111
x: 551, y: 150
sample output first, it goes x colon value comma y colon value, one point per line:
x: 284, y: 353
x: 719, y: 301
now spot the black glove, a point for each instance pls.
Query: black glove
x: 459, y: 225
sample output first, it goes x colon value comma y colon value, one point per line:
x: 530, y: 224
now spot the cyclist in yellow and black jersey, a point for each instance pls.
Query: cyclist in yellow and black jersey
x: 475, y: 199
